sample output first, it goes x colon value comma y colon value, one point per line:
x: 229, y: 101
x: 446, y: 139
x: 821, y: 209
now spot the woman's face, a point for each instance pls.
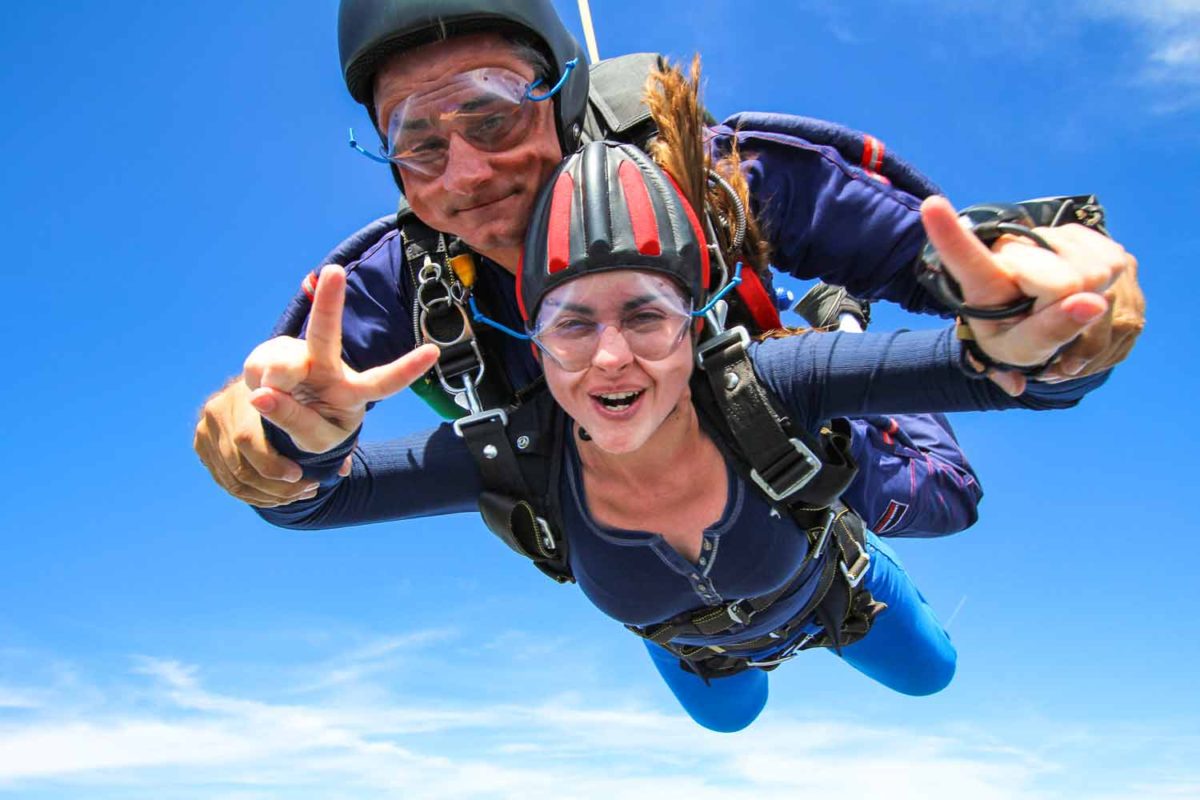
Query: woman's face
x: 617, y: 354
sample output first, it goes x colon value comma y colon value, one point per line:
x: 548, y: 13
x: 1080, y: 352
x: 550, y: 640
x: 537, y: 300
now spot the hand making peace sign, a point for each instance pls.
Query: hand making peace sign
x: 304, y: 387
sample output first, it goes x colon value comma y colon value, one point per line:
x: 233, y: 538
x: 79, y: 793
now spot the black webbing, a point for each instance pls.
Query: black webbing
x: 792, y: 467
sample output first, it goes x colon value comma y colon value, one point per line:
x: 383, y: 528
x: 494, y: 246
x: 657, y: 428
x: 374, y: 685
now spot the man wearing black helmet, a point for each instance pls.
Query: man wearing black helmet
x: 828, y: 216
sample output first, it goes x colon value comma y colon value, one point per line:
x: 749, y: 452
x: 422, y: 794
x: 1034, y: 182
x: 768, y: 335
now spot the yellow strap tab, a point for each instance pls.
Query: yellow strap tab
x: 464, y: 267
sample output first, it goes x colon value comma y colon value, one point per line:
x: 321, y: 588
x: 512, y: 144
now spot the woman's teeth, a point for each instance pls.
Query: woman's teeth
x: 618, y: 400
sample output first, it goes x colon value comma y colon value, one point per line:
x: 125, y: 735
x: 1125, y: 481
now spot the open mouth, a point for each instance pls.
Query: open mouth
x: 618, y: 401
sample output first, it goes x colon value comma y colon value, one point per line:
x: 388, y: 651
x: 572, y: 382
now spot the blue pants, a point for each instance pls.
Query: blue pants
x: 907, y: 650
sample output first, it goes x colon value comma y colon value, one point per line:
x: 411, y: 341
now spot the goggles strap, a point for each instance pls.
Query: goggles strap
x: 537, y: 98
x: 355, y: 145
x: 478, y: 316
x: 726, y: 289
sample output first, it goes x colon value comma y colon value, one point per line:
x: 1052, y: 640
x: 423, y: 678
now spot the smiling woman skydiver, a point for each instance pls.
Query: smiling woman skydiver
x: 668, y: 531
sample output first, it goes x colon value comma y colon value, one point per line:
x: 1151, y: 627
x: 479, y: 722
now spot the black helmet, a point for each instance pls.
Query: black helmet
x: 371, y: 31
x: 608, y: 207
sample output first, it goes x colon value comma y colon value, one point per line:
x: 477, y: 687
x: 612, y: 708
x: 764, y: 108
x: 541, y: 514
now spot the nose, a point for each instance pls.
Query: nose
x: 466, y: 166
x: 612, y: 351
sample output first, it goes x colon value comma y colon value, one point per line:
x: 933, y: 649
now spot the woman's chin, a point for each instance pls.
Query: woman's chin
x: 616, y: 443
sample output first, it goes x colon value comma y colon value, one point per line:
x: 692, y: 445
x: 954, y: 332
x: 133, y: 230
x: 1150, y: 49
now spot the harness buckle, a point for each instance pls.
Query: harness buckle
x: 464, y: 333
x: 858, y: 571
x: 735, y: 612
x: 547, y: 538
x: 721, y: 341
x: 806, y: 458
x: 786, y: 654
x: 479, y: 418
x: 469, y: 382
x: 826, y: 529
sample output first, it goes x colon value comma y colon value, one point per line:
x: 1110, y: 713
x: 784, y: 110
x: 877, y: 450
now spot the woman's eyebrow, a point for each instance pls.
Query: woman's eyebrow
x: 578, y: 308
x: 642, y: 300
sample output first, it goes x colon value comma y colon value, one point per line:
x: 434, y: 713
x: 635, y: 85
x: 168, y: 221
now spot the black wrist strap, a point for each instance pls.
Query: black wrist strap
x: 970, y: 347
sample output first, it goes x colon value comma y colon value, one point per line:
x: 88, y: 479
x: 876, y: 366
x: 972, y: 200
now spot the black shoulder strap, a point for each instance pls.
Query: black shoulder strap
x: 520, y: 502
x: 792, y: 468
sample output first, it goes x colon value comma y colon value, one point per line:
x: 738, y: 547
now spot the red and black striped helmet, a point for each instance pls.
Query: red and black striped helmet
x: 607, y: 207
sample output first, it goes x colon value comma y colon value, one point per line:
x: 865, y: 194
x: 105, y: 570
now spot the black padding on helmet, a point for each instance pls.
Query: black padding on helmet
x: 601, y: 233
x: 371, y: 31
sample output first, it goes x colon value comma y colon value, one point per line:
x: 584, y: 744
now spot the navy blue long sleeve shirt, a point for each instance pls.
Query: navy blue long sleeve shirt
x: 635, y: 576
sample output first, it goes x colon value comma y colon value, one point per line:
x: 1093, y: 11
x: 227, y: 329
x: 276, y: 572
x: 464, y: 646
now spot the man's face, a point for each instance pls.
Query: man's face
x: 483, y: 197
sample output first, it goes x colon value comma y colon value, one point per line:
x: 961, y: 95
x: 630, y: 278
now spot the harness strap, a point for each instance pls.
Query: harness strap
x: 517, y: 524
x: 839, y: 604
x: 789, y: 469
x: 718, y: 619
x: 526, y: 520
x: 441, y: 316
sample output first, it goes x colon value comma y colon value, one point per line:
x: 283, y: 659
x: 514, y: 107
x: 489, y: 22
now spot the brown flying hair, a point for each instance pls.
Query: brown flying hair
x: 674, y: 102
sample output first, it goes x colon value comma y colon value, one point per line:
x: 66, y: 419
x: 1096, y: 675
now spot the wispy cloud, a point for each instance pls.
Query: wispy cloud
x: 1160, y: 55
x: 373, y: 658
x: 1170, y: 30
x: 1169, y: 33
x: 18, y: 698
x: 159, y: 729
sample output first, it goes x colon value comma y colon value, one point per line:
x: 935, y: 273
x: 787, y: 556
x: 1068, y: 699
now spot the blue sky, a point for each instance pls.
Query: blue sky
x: 172, y: 172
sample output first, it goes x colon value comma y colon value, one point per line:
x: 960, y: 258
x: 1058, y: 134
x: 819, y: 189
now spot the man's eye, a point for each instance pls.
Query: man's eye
x: 490, y: 127
x: 425, y: 150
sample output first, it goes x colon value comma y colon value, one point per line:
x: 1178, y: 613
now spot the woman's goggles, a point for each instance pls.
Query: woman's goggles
x: 646, y: 310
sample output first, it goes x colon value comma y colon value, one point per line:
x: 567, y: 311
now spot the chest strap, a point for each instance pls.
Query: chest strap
x: 851, y: 555
x: 842, y: 608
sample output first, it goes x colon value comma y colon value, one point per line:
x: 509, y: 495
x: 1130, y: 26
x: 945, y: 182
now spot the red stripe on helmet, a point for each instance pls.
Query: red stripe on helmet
x: 558, y: 234
x: 695, y: 223
x: 641, y: 211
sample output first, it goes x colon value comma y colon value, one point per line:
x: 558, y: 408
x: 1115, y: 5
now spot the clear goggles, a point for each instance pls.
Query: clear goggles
x: 648, y: 311
x: 493, y: 109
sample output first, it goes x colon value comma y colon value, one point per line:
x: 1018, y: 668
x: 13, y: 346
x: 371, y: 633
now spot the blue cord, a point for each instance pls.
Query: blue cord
x: 737, y: 278
x: 475, y: 315
x: 359, y: 148
x: 570, y: 65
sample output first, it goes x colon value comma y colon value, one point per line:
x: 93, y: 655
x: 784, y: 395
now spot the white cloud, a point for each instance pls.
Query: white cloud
x: 18, y: 698
x: 1160, y: 54
x: 160, y: 730
x: 1168, y: 31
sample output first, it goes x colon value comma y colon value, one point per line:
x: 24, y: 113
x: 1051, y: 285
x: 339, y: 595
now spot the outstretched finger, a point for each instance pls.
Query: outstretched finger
x: 384, y: 381
x: 983, y: 280
x: 324, y: 333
